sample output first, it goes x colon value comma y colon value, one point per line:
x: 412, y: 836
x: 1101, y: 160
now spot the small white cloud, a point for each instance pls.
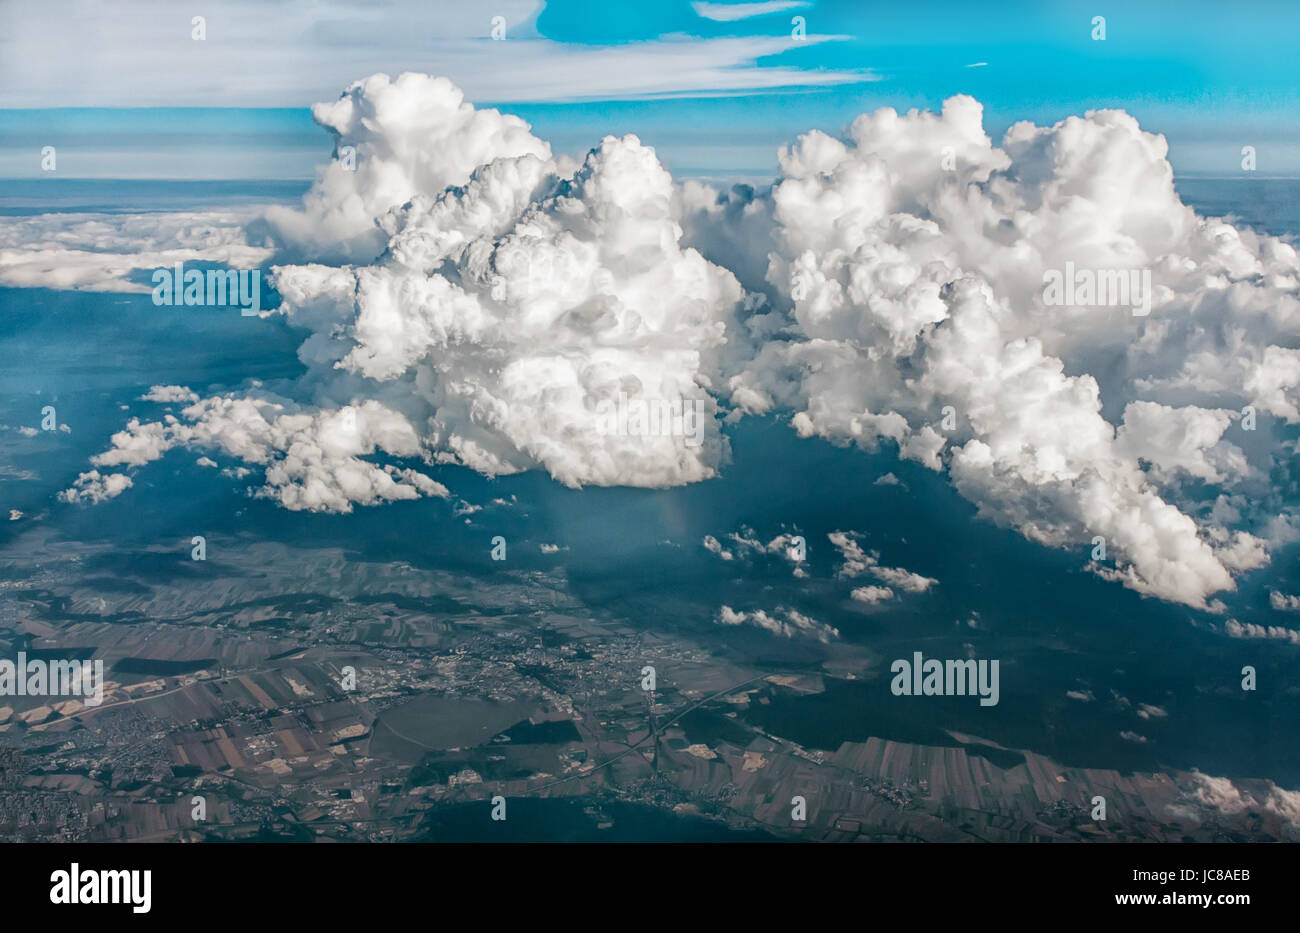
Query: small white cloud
x: 170, y: 394
x: 1147, y: 711
x: 1237, y: 629
x: 93, y: 488
x: 858, y: 562
x: 795, y: 624
x: 713, y: 545
x: 746, y: 545
x: 872, y: 594
x: 1283, y: 602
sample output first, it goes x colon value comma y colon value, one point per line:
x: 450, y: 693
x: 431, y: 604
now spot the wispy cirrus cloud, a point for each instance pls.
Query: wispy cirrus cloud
x: 732, y: 12
x: 142, y: 53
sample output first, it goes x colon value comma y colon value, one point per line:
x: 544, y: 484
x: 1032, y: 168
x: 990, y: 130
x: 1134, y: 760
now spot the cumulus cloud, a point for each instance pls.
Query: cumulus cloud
x: 745, y: 545
x: 1284, y: 602
x: 170, y: 394
x: 794, y: 624
x: 1220, y: 794
x: 1223, y: 796
x: 903, y: 268
x: 1149, y: 711
x: 312, y: 459
x: 871, y: 594
x: 714, y: 546
x: 1237, y: 629
x: 1284, y: 804
x: 93, y: 488
x: 409, y: 136
x: 1183, y: 439
x: 510, y: 316
x: 858, y: 562
x: 515, y: 304
x: 465, y: 297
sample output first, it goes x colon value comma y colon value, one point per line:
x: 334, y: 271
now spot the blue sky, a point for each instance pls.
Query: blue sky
x: 715, y: 94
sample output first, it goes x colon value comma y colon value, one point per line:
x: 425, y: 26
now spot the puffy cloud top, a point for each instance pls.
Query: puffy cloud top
x: 468, y: 298
x: 407, y: 136
x: 905, y: 270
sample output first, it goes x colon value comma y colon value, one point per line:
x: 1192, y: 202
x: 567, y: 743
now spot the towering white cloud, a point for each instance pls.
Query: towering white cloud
x: 904, y: 270
x: 413, y: 135
x: 523, y: 315
x: 498, y: 305
x: 515, y: 317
